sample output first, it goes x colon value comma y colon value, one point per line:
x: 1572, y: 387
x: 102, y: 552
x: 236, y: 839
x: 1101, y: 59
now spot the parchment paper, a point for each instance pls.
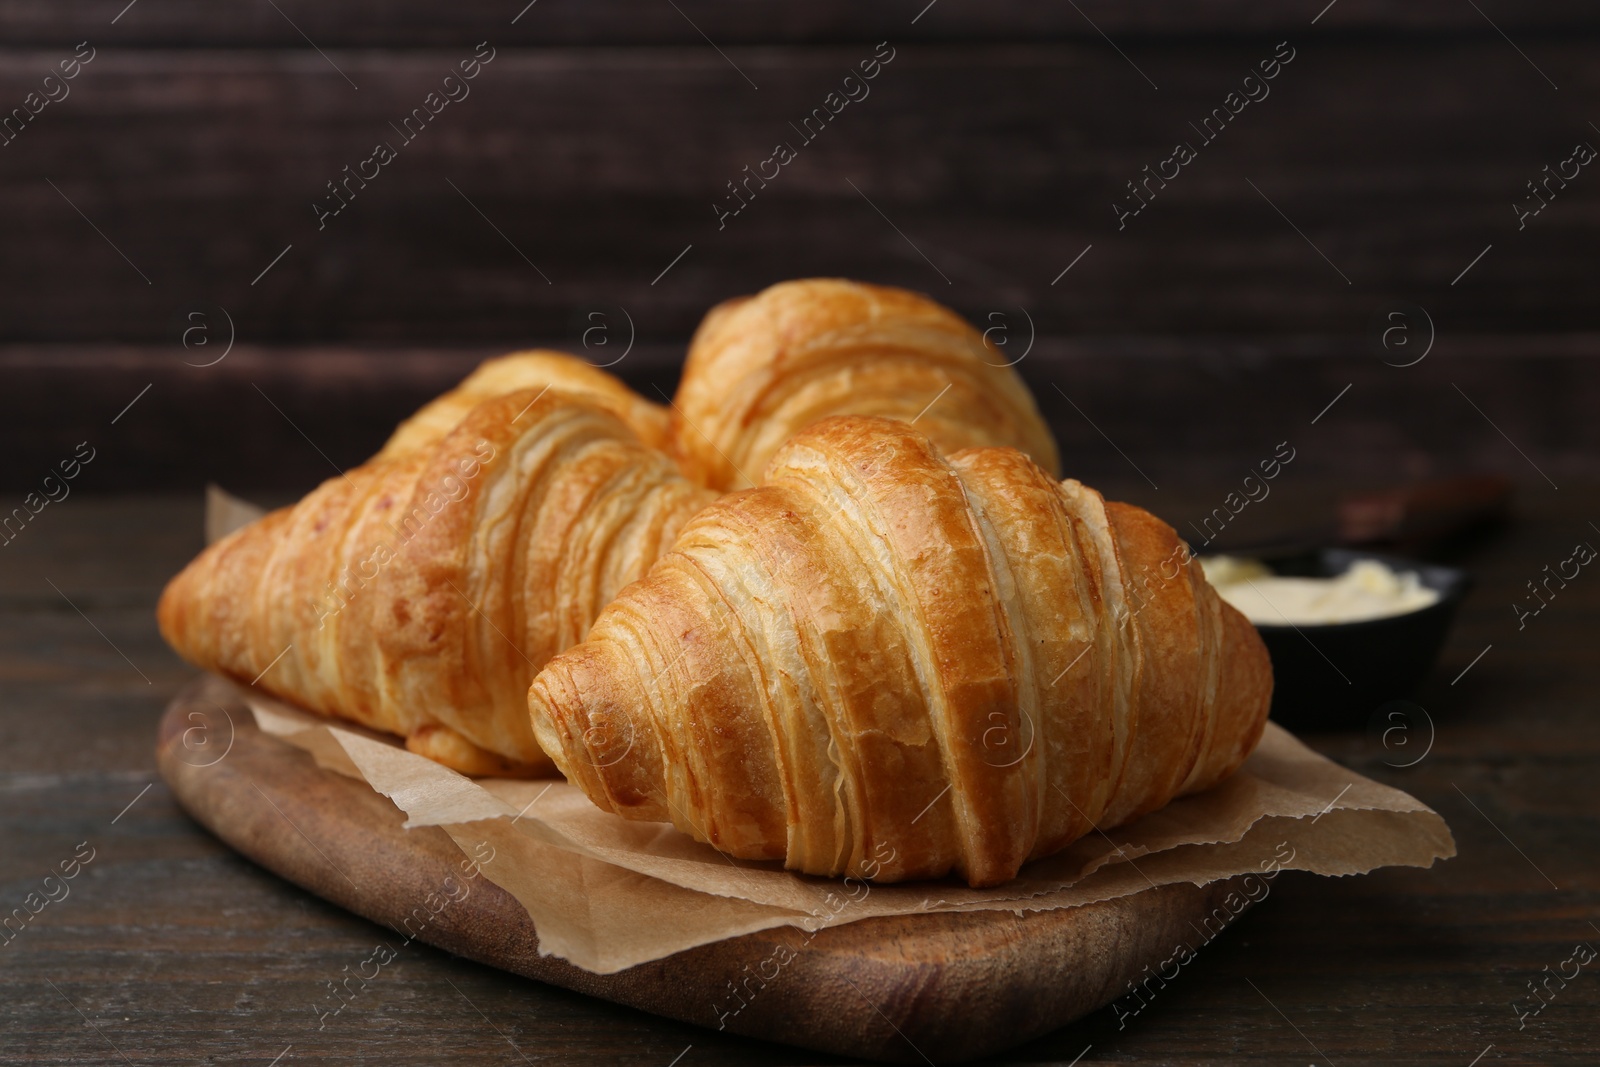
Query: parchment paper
x: 607, y: 894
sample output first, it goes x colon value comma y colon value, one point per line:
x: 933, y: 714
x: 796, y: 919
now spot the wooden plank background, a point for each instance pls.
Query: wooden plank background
x: 1195, y: 414
x: 414, y: 23
x: 589, y: 154
x: 1000, y: 162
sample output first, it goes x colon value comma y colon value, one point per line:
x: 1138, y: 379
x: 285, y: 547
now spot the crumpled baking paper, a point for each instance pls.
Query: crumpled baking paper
x: 607, y: 893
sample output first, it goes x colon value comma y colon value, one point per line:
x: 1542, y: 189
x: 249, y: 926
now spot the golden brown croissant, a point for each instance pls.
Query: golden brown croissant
x: 762, y: 368
x: 536, y: 369
x: 892, y: 664
x: 420, y: 593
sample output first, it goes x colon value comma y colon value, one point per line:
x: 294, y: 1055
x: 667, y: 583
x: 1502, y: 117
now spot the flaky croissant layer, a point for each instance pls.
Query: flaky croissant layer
x: 420, y: 592
x: 539, y: 369
x: 763, y: 368
x: 957, y: 662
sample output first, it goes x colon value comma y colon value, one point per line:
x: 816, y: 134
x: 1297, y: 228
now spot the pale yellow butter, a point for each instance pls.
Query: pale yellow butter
x: 1368, y: 590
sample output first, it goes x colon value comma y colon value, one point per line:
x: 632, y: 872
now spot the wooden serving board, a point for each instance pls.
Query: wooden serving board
x: 954, y: 986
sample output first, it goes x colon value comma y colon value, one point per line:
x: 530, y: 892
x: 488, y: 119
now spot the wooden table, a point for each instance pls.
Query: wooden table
x: 169, y: 949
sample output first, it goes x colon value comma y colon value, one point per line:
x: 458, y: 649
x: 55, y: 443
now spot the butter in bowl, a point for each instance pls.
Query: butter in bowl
x: 1347, y: 630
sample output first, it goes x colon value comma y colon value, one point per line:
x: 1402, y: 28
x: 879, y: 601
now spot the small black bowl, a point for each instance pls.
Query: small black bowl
x: 1330, y: 676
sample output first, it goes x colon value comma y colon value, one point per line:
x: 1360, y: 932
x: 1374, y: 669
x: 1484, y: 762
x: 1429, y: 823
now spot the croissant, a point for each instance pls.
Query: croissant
x: 419, y: 593
x: 891, y: 664
x: 537, y: 369
x: 762, y: 368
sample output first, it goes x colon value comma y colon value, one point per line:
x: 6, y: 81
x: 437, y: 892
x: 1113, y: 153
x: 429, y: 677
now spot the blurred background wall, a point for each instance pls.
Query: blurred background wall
x: 171, y: 202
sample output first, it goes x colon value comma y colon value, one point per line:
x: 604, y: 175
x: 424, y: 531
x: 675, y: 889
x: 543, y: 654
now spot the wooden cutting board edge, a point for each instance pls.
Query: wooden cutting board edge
x: 907, y: 989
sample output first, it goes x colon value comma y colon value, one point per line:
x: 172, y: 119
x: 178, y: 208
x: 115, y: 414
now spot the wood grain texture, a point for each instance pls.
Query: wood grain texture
x: 273, y: 422
x: 414, y: 23
x: 180, y: 951
x: 883, y: 989
x: 1399, y: 159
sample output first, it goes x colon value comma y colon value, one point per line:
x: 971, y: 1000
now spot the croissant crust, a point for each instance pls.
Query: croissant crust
x: 763, y: 368
x: 890, y: 663
x: 420, y: 592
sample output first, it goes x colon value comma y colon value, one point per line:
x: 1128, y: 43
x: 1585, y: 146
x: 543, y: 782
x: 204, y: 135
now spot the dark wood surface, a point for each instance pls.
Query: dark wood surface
x: 275, y: 421
x: 414, y: 23
x: 987, y: 156
x: 888, y: 989
x: 176, y: 950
